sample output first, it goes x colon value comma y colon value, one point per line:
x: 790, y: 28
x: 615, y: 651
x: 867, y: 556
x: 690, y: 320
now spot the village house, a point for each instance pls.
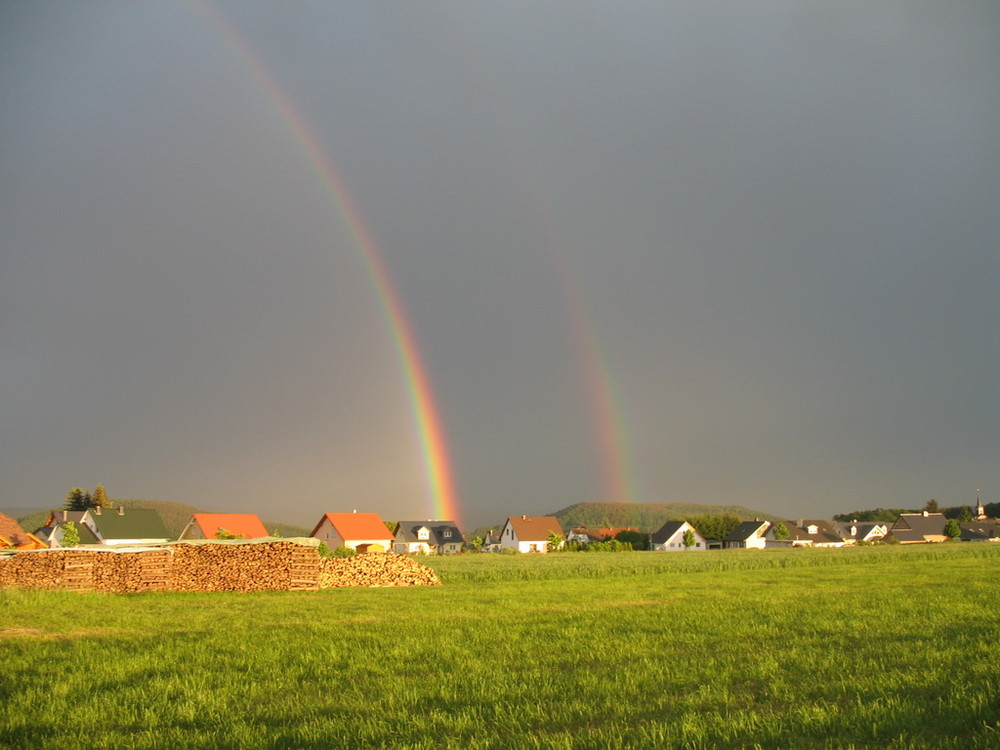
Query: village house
x: 224, y: 526
x: 855, y: 532
x: 362, y: 532
x: 427, y: 538
x: 919, y: 528
x: 755, y: 534
x: 980, y: 531
x: 670, y: 538
x: 12, y: 536
x: 113, y: 527
x: 813, y: 534
x: 530, y: 533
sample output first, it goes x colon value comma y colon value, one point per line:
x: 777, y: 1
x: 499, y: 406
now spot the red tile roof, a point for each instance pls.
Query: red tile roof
x: 12, y: 531
x: 353, y: 526
x: 535, y: 528
x: 247, y: 525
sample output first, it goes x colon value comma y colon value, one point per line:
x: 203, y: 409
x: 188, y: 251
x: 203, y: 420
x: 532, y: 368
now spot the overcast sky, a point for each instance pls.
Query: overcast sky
x: 733, y: 253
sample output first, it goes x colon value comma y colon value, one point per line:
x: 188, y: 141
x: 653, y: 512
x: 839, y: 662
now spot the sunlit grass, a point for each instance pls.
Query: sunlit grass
x: 855, y: 648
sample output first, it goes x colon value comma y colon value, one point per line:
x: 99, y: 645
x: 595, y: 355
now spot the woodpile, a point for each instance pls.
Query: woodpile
x: 374, y: 570
x: 214, y: 566
x: 264, y: 566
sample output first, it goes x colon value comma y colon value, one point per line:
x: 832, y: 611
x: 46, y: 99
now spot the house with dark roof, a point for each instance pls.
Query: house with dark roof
x: 813, y: 534
x: 919, y: 528
x: 855, y: 532
x: 363, y: 532
x: 224, y: 526
x: 427, y: 538
x: 670, y: 538
x: 113, y: 527
x: 980, y: 531
x: 530, y: 533
x: 755, y: 534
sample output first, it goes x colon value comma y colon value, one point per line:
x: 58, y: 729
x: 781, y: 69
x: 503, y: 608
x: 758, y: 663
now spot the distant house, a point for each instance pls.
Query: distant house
x: 12, y: 536
x: 980, y: 531
x: 224, y: 525
x: 919, y: 528
x: 363, y: 532
x: 530, y: 533
x: 813, y: 534
x: 753, y: 535
x: 584, y: 535
x: 853, y: 532
x: 670, y: 538
x: 427, y: 538
x: 113, y: 527
x: 491, y: 543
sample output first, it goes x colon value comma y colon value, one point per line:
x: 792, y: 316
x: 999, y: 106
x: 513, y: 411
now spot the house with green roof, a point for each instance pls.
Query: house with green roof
x: 115, y: 527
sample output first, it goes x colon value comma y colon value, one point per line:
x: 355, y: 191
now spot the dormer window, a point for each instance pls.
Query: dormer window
x: 423, y: 533
x: 812, y: 528
x: 447, y: 533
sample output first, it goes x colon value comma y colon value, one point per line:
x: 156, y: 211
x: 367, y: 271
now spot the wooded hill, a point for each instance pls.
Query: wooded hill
x: 647, y: 517
x: 175, y: 517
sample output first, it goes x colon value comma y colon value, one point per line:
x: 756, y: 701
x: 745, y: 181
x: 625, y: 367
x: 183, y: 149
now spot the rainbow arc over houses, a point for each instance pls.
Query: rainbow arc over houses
x: 434, y: 447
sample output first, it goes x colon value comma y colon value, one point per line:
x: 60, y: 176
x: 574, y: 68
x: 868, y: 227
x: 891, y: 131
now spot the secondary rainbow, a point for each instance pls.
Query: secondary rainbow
x: 434, y: 448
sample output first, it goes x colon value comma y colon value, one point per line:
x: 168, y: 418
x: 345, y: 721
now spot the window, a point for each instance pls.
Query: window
x: 423, y: 533
x: 447, y: 533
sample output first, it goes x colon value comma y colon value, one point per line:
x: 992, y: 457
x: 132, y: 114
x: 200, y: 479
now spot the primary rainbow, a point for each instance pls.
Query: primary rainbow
x: 425, y: 414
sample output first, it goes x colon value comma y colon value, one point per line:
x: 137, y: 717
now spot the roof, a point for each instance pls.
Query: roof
x: 130, y: 523
x: 247, y: 525
x: 352, y: 526
x: 745, y: 530
x: 825, y: 534
x: 666, y: 531
x: 406, y: 531
x: 11, y: 530
x: 916, y: 527
x: 535, y: 528
x: 978, y: 531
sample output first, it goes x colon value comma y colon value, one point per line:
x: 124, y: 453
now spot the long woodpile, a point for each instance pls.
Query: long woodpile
x: 375, y: 570
x: 262, y: 566
x: 266, y: 566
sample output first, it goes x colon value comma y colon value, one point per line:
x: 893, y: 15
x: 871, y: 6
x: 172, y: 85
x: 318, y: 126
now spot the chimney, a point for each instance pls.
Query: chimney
x: 121, y: 510
x: 65, y: 514
x: 97, y: 510
x: 354, y: 511
x: 926, y: 513
x: 801, y: 521
x: 524, y: 517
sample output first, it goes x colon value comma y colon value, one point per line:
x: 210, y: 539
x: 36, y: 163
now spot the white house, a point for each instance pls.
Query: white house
x: 530, y: 533
x: 670, y: 538
x: 753, y: 535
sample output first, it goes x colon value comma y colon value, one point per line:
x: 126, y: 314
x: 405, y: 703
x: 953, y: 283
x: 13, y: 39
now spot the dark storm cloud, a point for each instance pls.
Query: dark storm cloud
x: 780, y: 218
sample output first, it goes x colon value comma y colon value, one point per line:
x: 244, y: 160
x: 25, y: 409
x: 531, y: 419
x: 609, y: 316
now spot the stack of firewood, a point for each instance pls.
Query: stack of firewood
x: 265, y: 566
x: 374, y: 570
x: 41, y: 569
x: 131, y: 572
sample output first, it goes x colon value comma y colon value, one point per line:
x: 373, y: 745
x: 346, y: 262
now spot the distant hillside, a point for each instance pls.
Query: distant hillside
x: 175, y: 517
x: 646, y: 517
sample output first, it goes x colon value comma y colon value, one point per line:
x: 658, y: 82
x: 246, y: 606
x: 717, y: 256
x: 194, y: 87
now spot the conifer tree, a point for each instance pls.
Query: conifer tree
x: 100, y: 497
x: 77, y: 499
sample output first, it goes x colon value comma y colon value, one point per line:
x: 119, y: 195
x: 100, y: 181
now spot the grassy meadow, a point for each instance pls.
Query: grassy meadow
x: 873, y: 647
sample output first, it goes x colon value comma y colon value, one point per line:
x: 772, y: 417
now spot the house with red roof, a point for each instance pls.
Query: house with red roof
x: 530, y: 533
x: 224, y: 526
x: 12, y: 536
x: 363, y: 532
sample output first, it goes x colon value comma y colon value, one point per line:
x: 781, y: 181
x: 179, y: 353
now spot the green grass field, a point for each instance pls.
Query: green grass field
x: 873, y: 647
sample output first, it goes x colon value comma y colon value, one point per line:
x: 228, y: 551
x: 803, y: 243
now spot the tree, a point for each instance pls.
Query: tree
x: 965, y: 514
x: 780, y: 531
x: 637, y: 539
x: 100, y: 497
x: 77, y: 499
x: 952, y: 529
x: 70, y: 537
x: 932, y: 506
x: 555, y: 540
x: 223, y: 534
x: 715, y: 525
x: 688, y: 539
